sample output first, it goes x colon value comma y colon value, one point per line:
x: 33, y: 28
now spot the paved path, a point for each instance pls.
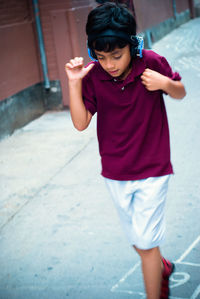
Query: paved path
x: 59, y: 233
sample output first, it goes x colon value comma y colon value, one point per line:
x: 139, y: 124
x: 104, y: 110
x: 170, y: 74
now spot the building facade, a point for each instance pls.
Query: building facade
x: 23, y: 93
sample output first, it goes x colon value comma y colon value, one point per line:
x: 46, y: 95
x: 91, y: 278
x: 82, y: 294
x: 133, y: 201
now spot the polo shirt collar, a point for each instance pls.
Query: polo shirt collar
x: 138, y: 67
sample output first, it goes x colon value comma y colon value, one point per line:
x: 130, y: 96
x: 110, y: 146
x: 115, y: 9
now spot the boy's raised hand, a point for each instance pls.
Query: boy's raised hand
x: 75, y: 69
x: 153, y: 80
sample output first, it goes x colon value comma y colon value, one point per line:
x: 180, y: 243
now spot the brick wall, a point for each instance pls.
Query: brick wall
x: 20, y: 66
x: 182, y: 5
x: 13, y: 11
x: 156, y: 11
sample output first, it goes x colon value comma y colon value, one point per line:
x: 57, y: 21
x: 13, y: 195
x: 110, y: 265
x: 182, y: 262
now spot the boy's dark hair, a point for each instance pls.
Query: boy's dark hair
x: 111, y: 25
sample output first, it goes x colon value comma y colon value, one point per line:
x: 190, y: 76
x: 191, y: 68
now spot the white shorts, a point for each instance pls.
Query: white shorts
x: 140, y: 205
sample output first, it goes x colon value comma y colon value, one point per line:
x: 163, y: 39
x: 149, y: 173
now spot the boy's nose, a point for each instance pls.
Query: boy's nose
x: 109, y: 64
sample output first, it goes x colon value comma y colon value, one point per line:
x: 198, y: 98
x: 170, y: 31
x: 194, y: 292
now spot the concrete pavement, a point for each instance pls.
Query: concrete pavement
x: 59, y: 232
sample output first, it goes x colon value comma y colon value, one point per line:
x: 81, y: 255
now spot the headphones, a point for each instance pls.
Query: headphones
x: 136, y: 42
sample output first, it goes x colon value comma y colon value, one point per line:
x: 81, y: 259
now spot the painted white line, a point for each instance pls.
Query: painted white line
x: 179, y: 279
x: 188, y: 250
x: 188, y: 264
x: 196, y: 293
x: 125, y: 277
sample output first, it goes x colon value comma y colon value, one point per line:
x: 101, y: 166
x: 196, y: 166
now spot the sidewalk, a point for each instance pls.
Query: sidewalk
x: 59, y: 232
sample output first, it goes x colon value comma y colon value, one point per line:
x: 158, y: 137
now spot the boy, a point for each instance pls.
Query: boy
x: 126, y: 91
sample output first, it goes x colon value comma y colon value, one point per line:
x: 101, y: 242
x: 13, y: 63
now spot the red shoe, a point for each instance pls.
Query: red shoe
x: 168, y: 270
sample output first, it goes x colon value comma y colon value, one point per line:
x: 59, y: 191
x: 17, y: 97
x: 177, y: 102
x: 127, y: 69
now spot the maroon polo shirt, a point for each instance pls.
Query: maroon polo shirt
x: 132, y: 126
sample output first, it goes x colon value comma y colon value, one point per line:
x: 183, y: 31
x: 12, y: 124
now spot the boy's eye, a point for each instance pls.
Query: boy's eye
x: 113, y: 57
x: 117, y: 57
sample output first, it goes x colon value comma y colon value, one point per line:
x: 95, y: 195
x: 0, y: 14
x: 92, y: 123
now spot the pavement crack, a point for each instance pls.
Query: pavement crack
x: 30, y: 198
x: 73, y: 157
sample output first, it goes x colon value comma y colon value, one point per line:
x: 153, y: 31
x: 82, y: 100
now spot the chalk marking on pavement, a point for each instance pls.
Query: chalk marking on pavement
x: 196, y: 293
x: 188, y: 264
x: 131, y: 271
x: 178, y: 282
x: 188, y: 250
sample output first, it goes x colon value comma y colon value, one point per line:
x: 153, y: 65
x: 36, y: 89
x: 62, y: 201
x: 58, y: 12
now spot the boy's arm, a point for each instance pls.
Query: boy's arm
x: 153, y: 80
x: 76, y: 71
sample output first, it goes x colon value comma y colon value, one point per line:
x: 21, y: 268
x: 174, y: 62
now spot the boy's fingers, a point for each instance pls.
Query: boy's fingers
x: 78, y: 59
x: 77, y: 64
x: 147, y: 72
x: 143, y: 77
x: 89, y: 67
x: 68, y: 66
x: 73, y: 62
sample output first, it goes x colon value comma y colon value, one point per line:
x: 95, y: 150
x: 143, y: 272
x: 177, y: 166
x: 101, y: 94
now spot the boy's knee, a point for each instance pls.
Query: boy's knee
x: 146, y: 252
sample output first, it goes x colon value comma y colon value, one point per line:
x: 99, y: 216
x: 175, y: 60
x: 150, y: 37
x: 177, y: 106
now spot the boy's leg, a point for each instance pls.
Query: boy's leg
x: 152, y: 271
x: 140, y: 205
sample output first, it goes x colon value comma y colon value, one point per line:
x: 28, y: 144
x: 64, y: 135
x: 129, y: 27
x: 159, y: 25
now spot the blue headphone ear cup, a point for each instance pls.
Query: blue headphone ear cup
x: 140, y: 46
x: 92, y: 54
x: 137, y: 46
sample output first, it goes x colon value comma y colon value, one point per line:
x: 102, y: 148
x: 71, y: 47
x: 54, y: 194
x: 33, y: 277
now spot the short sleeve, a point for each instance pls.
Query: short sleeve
x: 165, y: 69
x: 160, y: 64
x: 89, y: 94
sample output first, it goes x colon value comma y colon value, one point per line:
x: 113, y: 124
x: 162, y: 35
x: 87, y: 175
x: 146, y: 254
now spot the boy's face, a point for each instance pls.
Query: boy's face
x: 117, y: 62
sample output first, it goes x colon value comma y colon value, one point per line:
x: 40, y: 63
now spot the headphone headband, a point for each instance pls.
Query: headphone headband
x: 112, y: 33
